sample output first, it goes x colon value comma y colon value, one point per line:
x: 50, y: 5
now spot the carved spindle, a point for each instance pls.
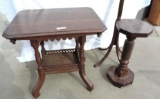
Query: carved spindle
x: 43, y: 49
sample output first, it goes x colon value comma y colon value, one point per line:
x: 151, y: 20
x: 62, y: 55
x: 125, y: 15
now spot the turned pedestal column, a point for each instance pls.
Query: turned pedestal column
x: 121, y: 75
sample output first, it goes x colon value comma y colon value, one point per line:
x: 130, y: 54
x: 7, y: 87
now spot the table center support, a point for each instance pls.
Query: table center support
x: 122, y: 69
x: 122, y: 75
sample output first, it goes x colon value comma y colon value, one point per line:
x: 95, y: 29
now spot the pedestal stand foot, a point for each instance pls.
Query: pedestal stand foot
x: 120, y: 81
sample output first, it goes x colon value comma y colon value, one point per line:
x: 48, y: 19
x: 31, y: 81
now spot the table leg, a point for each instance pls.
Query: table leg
x: 37, y: 87
x: 82, y: 66
x: 122, y: 75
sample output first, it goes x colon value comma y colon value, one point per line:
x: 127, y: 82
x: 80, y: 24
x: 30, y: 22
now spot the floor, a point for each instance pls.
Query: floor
x: 17, y: 79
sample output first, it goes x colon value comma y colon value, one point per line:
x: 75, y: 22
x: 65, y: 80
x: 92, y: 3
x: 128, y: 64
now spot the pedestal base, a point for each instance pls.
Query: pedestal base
x: 120, y: 81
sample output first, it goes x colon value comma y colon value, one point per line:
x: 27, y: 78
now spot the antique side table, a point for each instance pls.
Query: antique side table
x: 49, y: 24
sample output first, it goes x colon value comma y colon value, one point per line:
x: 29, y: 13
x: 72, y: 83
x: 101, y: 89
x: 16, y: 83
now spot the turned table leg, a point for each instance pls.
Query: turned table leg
x: 41, y: 78
x: 82, y: 66
x: 122, y: 75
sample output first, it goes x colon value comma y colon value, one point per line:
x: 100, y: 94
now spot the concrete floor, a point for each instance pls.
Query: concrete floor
x: 17, y: 79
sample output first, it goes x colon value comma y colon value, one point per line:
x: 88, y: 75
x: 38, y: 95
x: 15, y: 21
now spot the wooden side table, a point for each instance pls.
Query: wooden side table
x: 55, y: 24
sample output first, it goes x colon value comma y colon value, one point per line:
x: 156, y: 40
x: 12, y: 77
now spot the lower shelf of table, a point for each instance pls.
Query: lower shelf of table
x: 60, y: 61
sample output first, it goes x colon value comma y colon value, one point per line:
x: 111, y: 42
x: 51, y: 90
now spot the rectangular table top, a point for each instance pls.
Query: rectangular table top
x: 50, y: 22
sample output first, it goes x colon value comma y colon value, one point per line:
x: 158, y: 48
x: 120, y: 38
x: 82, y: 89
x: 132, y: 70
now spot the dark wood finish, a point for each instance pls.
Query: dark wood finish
x: 55, y: 24
x: 82, y: 73
x: 116, y: 80
x: 37, y: 87
x: 58, y: 61
x: 132, y: 28
x: 115, y: 37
